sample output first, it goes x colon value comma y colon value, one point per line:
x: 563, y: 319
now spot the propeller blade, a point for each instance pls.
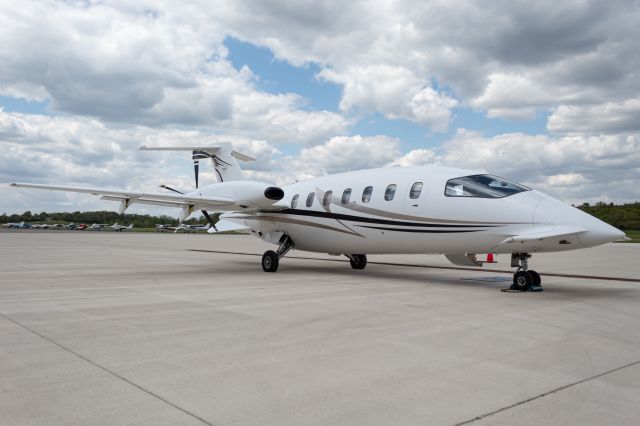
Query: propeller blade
x: 196, y: 167
x: 206, y: 215
x: 196, y: 156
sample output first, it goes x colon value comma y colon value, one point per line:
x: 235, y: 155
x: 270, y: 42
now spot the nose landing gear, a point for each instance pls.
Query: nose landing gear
x: 524, y: 279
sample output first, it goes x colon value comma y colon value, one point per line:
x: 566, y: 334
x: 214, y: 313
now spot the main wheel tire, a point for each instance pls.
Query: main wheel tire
x: 270, y: 261
x: 537, y: 281
x: 358, y: 261
x: 522, y: 280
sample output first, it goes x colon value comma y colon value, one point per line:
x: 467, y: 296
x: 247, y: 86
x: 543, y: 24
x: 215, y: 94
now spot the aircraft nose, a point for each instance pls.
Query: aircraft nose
x: 596, y: 231
x: 599, y: 232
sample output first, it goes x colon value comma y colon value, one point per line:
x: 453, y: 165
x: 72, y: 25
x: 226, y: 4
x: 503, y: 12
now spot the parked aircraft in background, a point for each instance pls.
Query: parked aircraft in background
x: 97, y: 227
x: 16, y: 225
x: 120, y: 228
x: 76, y: 227
x: 182, y: 227
x: 55, y: 226
x: 394, y: 210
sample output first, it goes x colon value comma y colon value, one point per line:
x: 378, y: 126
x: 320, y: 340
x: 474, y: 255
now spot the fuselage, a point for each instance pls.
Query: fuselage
x: 425, y: 209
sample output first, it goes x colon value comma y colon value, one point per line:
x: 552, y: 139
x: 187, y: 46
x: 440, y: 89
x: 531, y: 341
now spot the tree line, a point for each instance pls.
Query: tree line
x: 103, y: 216
x: 622, y: 216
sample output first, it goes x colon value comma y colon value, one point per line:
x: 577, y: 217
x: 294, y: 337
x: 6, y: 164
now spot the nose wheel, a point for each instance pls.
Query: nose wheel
x: 524, y: 279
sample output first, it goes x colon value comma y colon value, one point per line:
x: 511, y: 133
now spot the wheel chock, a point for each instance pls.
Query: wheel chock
x: 512, y: 289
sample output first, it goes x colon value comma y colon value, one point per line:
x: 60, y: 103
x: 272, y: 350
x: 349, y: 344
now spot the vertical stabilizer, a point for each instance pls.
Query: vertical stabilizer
x: 222, y: 160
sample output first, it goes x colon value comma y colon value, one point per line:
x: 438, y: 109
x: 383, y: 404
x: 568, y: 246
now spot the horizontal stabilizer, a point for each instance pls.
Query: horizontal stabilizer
x: 226, y: 226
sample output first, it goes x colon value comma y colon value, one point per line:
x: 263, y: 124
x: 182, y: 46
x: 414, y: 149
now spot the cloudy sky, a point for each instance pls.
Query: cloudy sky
x: 546, y: 93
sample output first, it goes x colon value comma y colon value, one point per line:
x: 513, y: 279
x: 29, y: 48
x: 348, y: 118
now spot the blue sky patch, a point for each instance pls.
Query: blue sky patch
x: 11, y: 104
x: 276, y: 76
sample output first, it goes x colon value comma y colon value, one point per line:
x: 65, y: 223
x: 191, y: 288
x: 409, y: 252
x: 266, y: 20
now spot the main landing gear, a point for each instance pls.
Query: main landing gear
x: 271, y: 259
x: 358, y: 261
x: 524, y: 279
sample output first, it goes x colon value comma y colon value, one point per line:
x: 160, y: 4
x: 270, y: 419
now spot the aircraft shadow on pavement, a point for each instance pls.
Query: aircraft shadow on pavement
x: 398, y: 274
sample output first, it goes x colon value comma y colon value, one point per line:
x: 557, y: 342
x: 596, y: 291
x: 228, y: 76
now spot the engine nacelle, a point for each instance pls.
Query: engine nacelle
x: 244, y: 193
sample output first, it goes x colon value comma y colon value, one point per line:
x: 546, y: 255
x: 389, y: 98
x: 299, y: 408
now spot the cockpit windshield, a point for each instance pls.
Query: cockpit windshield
x: 482, y: 186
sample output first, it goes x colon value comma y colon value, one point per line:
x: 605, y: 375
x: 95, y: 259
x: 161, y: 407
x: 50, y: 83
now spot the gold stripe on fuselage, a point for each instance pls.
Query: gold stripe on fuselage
x: 300, y: 222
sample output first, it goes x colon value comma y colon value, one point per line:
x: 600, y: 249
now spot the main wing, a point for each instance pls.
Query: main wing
x: 130, y: 197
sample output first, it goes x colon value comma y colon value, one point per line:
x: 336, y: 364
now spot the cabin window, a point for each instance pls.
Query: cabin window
x: 482, y: 186
x: 416, y: 190
x: 326, y: 200
x: 390, y: 192
x: 294, y: 201
x: 310, y: 199
x: 366, y: 194
x: 346, y: 196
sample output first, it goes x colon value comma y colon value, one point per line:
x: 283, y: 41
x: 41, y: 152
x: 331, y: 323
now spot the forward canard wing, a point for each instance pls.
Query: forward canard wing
x: 529, y: 240
x: 543, y: 233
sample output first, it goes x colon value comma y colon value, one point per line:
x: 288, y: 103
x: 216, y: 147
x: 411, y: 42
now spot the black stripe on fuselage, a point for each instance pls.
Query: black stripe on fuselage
x: 428, y: 231
x: 353, y: 218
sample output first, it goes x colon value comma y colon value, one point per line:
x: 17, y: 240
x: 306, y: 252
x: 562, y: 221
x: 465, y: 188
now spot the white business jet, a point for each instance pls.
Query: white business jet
x: 399, y: 210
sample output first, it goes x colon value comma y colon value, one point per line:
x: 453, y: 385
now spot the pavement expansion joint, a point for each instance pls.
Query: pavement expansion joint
x: 542, y: 395
x: 105, y: 369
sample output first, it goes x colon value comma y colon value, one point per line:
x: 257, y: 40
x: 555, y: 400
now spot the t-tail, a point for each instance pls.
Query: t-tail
x: 223, y: 158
